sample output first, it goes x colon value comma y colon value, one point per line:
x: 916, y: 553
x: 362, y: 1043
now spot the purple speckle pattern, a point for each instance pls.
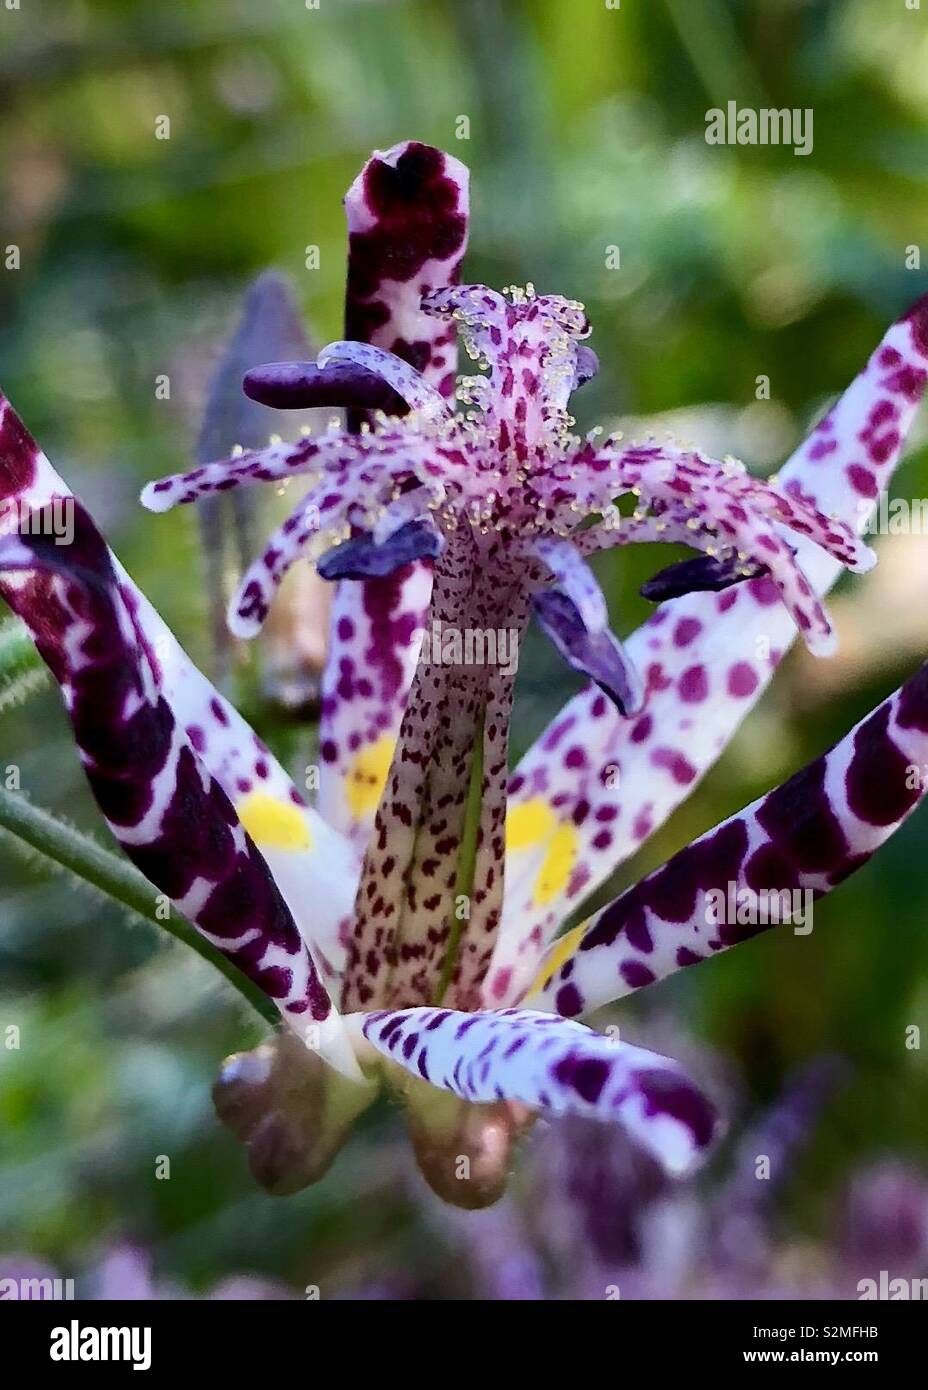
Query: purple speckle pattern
x: 405, y: 914
x: 407, y: 232
x: 503, y: 492
x: 168, y: 813
x: 644, y: 768
x: 555, y: 1065
x: 809, y: 834
x: 499, y: 540
x: 322, y: 878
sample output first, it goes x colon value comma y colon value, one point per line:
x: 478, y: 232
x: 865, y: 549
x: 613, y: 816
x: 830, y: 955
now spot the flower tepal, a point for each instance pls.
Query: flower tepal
x: 508, y: 502
x: 477, y: 498
x: 553, y: 1063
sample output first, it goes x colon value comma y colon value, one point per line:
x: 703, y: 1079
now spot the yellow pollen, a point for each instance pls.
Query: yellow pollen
x: 274, y: 824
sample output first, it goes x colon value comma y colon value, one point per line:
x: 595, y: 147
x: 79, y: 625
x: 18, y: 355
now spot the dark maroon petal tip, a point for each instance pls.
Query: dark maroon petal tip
x: 666, y: 1092
x: 703, y: 574
x: 303, y: 385
x: 362, y: 558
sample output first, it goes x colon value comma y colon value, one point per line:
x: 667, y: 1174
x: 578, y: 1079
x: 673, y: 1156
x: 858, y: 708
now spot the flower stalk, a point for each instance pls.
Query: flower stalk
x: 70, y: 849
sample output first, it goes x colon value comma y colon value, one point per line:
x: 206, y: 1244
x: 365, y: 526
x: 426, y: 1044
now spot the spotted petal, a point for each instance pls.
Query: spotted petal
x: 552, y: 1065
x: 407, y: 232
x: 167, y: 812
x: 594, y: 787
x: 315, y: 868
x: 806, y: 836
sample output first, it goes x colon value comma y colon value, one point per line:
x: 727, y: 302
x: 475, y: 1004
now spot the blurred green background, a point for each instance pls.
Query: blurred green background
x: 586, y: 131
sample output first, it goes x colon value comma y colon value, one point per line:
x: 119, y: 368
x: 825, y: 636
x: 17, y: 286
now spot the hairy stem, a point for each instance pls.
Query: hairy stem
x: 78, y: 853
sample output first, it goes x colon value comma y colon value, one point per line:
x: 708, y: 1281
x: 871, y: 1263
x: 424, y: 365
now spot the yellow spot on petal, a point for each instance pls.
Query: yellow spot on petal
x: 559, y: 860
x: 274, y: 824
x: 529, y: 823
x: 367, y: 776
x: 560, y: 952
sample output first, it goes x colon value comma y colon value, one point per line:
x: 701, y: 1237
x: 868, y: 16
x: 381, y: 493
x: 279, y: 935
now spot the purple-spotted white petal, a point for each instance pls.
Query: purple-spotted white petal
x: 553, y: 1065
x: 316, y: 869
x: 168, y: 813
x: 761, y: 868
x: 594, y: 786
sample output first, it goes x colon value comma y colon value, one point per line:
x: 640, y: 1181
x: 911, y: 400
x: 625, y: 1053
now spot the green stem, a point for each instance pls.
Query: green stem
x: 68, y: 847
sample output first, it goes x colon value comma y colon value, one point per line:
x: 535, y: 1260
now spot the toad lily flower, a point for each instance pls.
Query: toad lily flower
x: 402, y: 938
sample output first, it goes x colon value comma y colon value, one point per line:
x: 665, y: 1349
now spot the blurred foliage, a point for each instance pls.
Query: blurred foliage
x: 586, y: 132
